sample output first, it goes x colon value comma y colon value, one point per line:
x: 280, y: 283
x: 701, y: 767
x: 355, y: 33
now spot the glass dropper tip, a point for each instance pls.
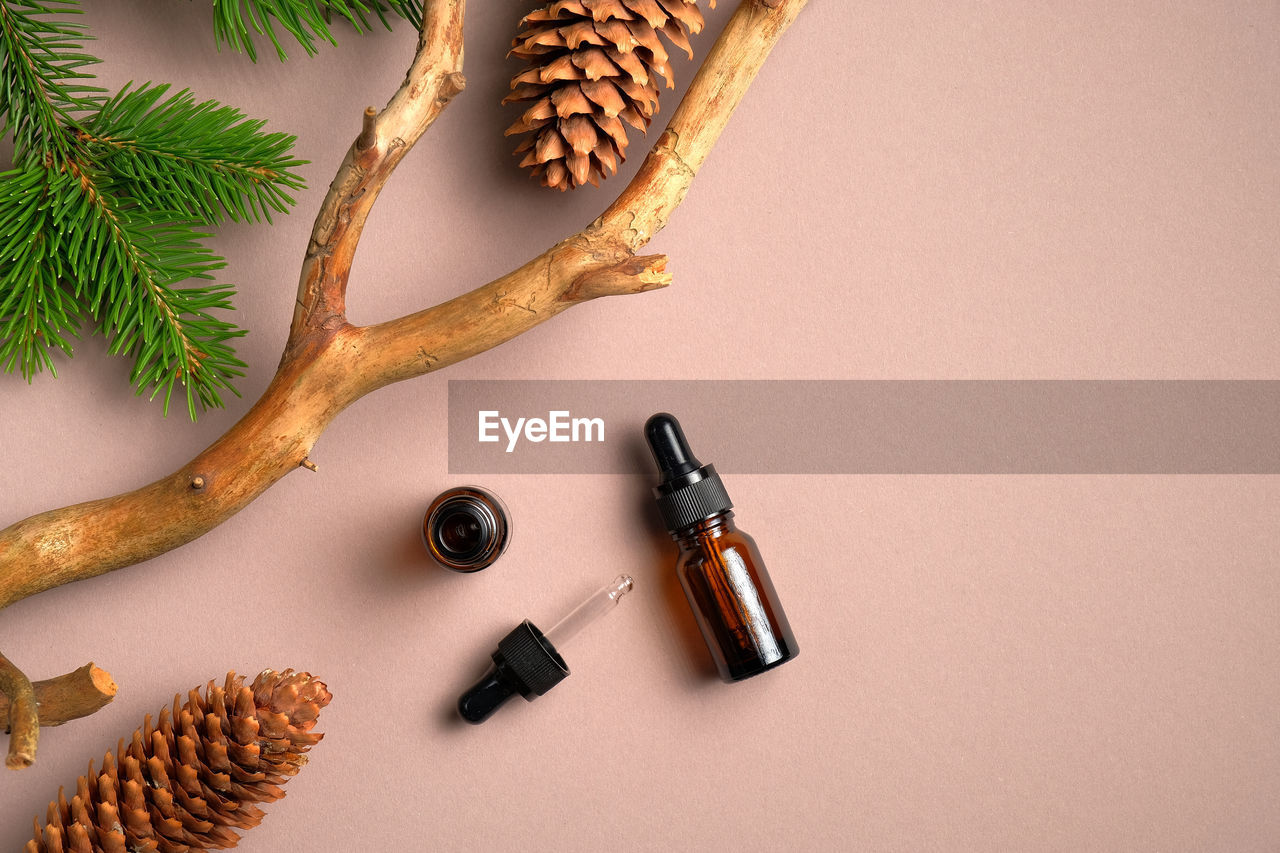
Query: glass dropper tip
x: 601, y: 602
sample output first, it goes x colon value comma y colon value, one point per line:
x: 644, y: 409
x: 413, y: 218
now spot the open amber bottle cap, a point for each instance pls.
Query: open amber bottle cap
x: 466, y: 529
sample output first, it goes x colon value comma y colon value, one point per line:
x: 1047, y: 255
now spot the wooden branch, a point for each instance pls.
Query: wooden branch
x: 329, y: 363
x: 490, y: 315
x: 643, y: 207
x: 25, y: 707
x: 24, y: 722
x: 68, y: 697
x: 434, y: 79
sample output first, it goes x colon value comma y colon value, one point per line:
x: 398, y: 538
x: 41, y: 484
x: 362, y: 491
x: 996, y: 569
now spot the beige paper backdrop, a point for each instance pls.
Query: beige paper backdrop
x: 911, y: 190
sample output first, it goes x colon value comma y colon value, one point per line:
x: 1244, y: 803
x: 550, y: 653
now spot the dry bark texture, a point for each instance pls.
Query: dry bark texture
x: 188, y: 781
x: 329, y: 363
x: 594, y: 67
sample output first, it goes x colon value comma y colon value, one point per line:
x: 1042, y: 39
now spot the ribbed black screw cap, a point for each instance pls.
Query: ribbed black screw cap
x: 533, y: 660
x: 689, y: 491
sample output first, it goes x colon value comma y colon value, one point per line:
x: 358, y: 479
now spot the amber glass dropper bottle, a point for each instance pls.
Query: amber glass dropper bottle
x: 720, y: 568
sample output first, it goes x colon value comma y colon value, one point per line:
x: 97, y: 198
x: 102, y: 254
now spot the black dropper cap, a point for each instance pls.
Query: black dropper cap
x: 525, y: 663
x: 689, y: 491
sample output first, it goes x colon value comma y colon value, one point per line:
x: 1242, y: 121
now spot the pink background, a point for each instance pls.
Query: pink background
x: 911, y: 190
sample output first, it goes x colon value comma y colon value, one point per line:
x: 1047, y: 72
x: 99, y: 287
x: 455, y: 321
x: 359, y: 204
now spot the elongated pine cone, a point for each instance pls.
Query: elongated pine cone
x: 593, y: 65
x: 183, y: 783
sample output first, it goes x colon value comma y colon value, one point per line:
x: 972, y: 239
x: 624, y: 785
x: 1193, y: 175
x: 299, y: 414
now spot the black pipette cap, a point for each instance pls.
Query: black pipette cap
x: 525, y: 663
x: 689, y: 491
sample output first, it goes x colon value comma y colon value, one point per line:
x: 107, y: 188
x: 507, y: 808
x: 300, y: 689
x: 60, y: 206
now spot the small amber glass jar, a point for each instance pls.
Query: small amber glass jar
x: 466, y: 529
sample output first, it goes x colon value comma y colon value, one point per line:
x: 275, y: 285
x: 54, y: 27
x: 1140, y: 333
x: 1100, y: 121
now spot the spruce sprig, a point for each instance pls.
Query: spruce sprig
x: 42, y: 74
x: 36, y: 314
x: 139, y: 254
x: 102, y: 216
x: 236, y: 21
x: 204, y: 160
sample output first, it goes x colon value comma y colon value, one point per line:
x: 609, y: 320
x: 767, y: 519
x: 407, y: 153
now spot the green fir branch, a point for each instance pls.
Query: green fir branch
x: 42, y: 71
x: 121, y: 263
x: 236, y: 21
x: 202, y: 160
x: 125, y: 261
x: 36, y: 315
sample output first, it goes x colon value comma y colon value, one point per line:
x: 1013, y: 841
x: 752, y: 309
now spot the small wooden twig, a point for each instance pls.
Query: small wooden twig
x: 24, y: 722
x: 69, y: 697
x: 25, y: 707
x: 369, y: 132
x: 328, y: 363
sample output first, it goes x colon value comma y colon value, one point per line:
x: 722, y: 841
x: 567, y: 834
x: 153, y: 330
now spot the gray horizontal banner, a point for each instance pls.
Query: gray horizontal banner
x: 872, y: 426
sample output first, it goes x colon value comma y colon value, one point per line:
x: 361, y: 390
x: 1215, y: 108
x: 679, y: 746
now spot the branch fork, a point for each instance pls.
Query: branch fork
x: 328, y: 363
x: 24, y: 706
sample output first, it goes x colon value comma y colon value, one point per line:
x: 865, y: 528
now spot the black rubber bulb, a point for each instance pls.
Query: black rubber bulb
x: 669, y: 446
x: 486, y: 696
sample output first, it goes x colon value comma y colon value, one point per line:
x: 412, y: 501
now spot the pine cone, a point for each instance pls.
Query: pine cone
x: 181, y: 784
x: 593, y: 66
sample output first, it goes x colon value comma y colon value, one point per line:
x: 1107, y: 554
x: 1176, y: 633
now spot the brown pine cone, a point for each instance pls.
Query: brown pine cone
x: 593, y: 66
x: 182, y: 784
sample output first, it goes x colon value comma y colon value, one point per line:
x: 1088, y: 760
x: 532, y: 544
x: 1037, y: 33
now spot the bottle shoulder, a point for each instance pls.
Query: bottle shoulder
x: 714, y: 535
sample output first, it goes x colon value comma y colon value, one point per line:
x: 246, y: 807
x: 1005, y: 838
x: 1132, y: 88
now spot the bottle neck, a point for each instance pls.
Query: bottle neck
x: 717, y: 525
